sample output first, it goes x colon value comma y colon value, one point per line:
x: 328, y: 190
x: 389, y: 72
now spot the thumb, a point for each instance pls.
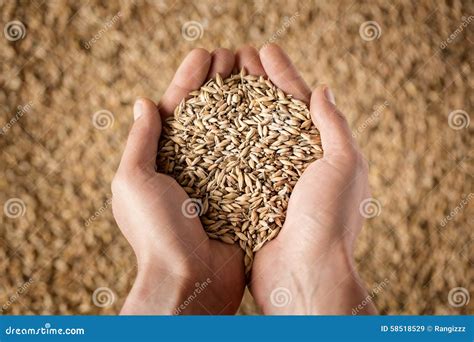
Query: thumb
x: 142, y: 143
x: 336, y: 136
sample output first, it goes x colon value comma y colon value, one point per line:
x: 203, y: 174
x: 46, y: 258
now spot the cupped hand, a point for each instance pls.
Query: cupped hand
x: 308, y: 268
x: 180, y: 270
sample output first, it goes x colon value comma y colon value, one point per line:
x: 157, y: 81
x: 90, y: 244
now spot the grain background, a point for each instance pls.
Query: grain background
x: 397, y: 91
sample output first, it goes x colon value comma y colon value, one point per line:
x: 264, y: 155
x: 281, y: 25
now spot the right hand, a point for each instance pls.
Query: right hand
x: 173, y: 251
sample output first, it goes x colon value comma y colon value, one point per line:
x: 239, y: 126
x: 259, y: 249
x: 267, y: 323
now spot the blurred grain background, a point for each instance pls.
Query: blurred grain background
x: 398, y: 90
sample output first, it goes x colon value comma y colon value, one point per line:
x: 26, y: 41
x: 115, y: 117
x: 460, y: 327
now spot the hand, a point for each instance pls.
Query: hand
x: 180, y: 270
x: 309, y: 268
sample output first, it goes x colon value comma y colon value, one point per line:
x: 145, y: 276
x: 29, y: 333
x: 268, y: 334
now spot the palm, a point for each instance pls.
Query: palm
x: 323, y: 211
x: 175, y: 256
x: 177, y: 236
x: 324, y: 191
x: 180, y: 231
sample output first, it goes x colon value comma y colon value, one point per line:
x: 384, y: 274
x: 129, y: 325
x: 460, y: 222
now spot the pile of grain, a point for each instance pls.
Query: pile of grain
x: 237, y: 147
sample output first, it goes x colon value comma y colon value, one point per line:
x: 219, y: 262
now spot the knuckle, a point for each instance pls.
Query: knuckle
x: 351, y: 155
x: 200, y: 51
x: 129, y: 179
x: 340, y: 116
x: 222, y: 50
x: 356, y: 159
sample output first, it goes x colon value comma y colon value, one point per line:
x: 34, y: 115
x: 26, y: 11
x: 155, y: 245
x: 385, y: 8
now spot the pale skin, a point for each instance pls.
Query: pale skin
x: 312, y: 257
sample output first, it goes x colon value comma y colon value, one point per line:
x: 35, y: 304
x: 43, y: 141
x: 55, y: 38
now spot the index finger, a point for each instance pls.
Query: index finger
x: 247, y: 57
x: 191, y: 75
x: 283, y: 73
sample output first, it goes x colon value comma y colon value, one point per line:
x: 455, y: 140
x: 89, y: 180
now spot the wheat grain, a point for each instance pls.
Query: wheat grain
x: 239, y: 145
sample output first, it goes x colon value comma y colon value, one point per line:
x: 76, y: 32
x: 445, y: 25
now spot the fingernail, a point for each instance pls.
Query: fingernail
x: 329, y: 95
x: 137, y: 109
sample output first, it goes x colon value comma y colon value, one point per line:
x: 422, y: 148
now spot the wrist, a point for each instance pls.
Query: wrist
x: 328, y: 284
x: 155, y: 291
x: 338, y: 288
x: 181, y: 289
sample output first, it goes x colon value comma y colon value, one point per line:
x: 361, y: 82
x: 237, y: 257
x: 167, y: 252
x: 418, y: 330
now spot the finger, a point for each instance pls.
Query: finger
x: 336, y: 136
x: 283, y: 73
x: 190, y: 75
x: 247, y: 57
x: 142, y: 143
x: 222, y: 63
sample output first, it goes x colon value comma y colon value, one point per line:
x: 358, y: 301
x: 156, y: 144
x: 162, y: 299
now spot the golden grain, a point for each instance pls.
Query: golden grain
x: 239, y: 145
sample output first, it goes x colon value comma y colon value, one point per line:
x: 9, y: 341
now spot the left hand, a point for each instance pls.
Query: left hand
x: 309, y: 268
